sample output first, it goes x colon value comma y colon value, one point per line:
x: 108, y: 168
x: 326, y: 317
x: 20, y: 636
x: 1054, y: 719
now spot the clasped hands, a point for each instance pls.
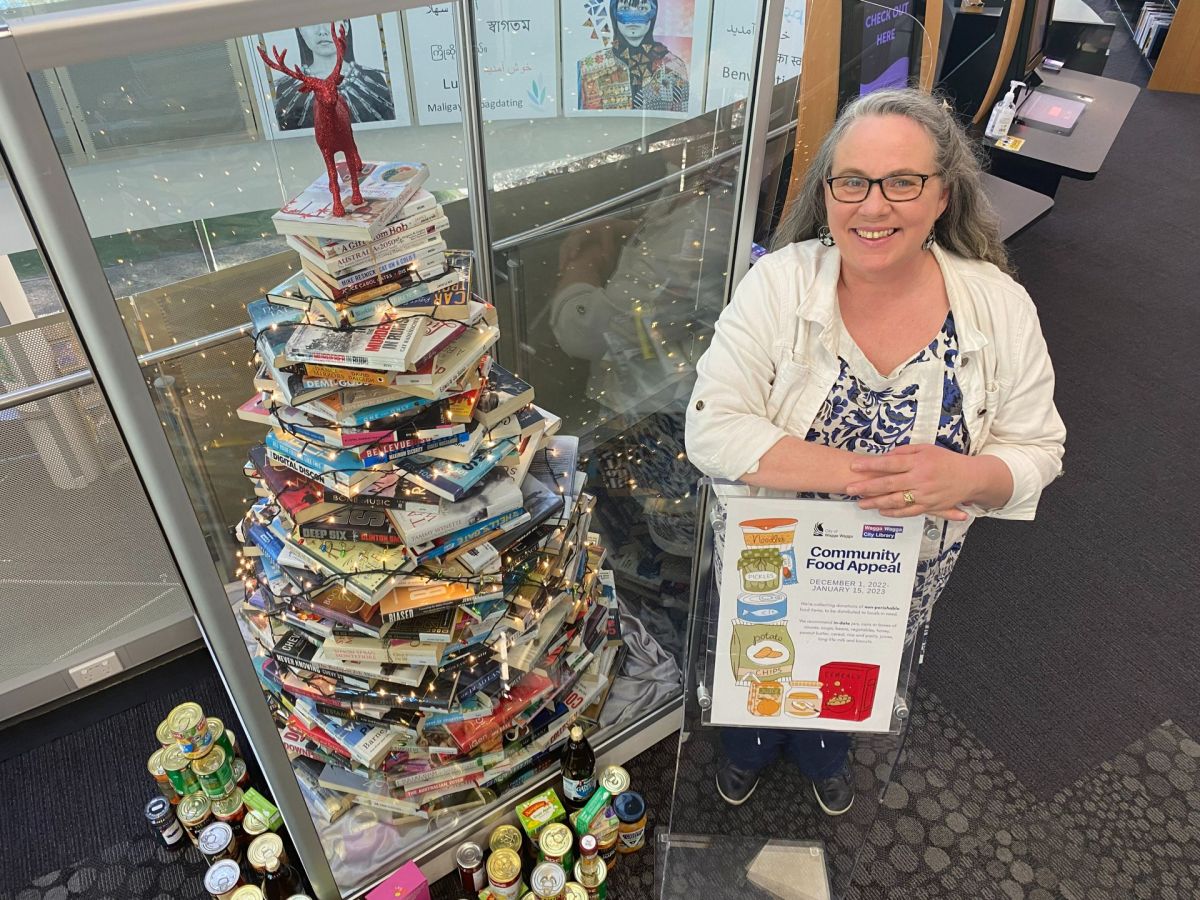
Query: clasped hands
x: 936, y: 479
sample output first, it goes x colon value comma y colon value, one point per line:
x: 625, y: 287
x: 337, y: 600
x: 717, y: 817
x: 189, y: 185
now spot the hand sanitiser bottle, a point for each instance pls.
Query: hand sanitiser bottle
x: 1002, y: 115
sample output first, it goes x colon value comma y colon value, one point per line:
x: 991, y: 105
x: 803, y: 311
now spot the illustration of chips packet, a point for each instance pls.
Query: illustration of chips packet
x: 761, y: 652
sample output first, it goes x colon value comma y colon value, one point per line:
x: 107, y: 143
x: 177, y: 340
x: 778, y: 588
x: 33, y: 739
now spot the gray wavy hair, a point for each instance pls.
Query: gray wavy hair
x: 968, y: 227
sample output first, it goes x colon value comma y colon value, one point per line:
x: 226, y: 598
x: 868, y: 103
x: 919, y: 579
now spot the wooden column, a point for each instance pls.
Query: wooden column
x: 1178, y: 66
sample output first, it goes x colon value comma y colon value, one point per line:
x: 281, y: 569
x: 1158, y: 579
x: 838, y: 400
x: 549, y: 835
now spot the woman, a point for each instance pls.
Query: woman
x: 883, y: 353
x: 366, y: 91
x: 636, y: 72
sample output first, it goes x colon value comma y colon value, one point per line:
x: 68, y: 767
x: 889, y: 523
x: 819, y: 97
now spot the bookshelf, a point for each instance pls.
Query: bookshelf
x: 1176, y: 67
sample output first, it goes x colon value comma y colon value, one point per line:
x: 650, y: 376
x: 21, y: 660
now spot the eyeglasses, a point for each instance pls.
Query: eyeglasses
x: 896, y: 188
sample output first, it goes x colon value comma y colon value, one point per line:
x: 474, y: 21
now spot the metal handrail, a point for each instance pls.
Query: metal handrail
x: 66, y: 383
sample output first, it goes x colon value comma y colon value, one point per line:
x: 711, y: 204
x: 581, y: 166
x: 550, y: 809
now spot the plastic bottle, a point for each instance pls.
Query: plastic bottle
x: 1002, y: 115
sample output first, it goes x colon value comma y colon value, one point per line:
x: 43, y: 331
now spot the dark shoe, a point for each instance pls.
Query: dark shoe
x: 735, y: 785
x: 835, y: 795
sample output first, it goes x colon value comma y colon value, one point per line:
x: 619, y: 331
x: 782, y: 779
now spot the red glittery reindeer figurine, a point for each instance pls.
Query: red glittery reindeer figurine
x: 331, y: 117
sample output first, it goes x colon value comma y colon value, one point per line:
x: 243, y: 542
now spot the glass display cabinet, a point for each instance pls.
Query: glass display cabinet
x: 607, y: 184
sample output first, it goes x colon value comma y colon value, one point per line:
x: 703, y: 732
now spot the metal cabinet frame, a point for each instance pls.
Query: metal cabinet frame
x: 44, y: 192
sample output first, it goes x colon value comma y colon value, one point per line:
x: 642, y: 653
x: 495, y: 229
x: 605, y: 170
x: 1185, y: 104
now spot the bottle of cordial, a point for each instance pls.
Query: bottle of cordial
x: 578, y: 770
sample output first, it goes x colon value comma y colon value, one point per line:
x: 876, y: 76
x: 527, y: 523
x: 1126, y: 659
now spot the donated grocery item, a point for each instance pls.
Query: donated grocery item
x: 161, y: 816
x: 631, y: 810
x: 195, y: 812
x: 591, y: 871
x: 768, y: 532
x: 469, y: 859
x: 406, y: 883
x: 761, y: 652
x: 555, y: 845
x: 548, y: 881
x: 578, y: 769
x: 222, y: 879
x: 804, y: 699
x: 504, y: 874
x: 539, y: 811
x: 161, y: 780
x: 765, y: 698
x: 190, y: 729
x: 613, y: 780
x: 217, y: 842
x: 215, y: 773
x: 849, y: 690
x: 179, y: 770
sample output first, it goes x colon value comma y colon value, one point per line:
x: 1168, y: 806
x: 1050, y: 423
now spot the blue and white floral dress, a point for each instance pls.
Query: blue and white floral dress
x: 920, y: 402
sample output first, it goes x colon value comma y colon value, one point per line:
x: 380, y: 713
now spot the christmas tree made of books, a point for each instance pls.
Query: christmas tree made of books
x: 424, y: 591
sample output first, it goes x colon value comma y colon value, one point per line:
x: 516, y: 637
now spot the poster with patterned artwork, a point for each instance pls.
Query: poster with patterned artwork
x: 633, y: 57
x: 814, y: 603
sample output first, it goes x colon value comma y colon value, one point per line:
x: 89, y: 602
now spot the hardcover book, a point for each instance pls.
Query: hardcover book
x: 385, y: 186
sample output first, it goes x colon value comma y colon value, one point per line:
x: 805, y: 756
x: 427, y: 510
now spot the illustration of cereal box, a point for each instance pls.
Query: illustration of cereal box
x: 848, y: 690
x: 761, y: 652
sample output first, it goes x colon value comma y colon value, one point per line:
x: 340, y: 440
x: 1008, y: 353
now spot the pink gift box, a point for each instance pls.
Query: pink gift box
x: 406, y: 883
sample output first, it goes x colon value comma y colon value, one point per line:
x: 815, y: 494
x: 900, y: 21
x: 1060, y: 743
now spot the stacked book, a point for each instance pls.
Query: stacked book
x: 422, y: 578
x: 1153, y: 22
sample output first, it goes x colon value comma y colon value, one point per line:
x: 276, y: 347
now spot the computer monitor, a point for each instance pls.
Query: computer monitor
x: 1038, y: 15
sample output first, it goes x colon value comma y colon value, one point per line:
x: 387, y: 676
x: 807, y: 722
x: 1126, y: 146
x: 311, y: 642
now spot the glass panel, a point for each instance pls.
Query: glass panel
x: 768, y: 846
x: 65, y: 480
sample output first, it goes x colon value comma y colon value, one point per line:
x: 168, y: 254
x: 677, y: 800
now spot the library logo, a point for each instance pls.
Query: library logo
x: 887, y: 532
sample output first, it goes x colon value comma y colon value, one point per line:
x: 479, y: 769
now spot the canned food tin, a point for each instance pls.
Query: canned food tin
x: 241, y: 775
x: 216, y: 842
x: 254, y: 825
x: 247, y: 892
x: 469, y: 858
x: 179, y: 771
x: 190, y: 729
x: 556, y: 843
x: 222, y: 879
x: 548, y: 881
x: 159, y: 774
x: 506, y: 837
x: 195, y: 811
x: 504, y: 873
x: 220, y: 737
x: 615, y: 780
x: 231, y: 809
x: 575, y: 891
x: 215, y: 774
x: 594, y: 880
x: 263, y: 849
x: 163, y: 733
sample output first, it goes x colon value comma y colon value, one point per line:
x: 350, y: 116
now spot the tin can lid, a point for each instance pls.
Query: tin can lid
x: 155, y: 764
x: 157, y: 809
x: 505, y: 836
x: 194, y: 808
x: 548, y: 880
x: 263, y: 848
x: 216, y: 728
x: 575, y: 891
x: 629, y: 807
x: 556, y: 840
x: 221, y: 876
x: 504, y: 866
x: 229, y: 804
x: 615, y: 780
x: 215, y: 838
x: 247, y: 892
x: 239, y: 768
x: 254, y: 824
x: 469, y: 855
x: 210, y: 761
x: 185, y: 718
x: 163, y: 733
x: 173, y: 759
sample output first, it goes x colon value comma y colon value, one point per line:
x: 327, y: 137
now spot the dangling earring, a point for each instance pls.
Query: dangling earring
x: 928, y: 242
x: 825, y: 236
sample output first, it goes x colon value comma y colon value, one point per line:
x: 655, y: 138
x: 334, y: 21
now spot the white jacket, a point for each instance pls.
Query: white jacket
x: 773, y: 360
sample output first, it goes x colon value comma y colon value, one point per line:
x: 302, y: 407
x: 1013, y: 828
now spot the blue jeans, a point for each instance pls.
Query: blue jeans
x: 818, y: 754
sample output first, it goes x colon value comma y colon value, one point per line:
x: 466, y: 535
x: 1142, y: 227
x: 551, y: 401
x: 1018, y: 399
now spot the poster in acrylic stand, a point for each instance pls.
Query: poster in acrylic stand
x: 733, y: 46
x: 633, y: 57
x: 374, y: 81
x: 517, y: 57
x: 814, y: 603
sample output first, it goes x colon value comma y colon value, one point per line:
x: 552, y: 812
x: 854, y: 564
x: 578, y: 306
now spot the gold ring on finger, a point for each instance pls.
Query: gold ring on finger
x: 909, y: 499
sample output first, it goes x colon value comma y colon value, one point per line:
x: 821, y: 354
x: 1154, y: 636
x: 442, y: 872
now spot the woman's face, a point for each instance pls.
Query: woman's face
x: 876, y: 234
x: 319, y: 39
x: 634, y: 18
